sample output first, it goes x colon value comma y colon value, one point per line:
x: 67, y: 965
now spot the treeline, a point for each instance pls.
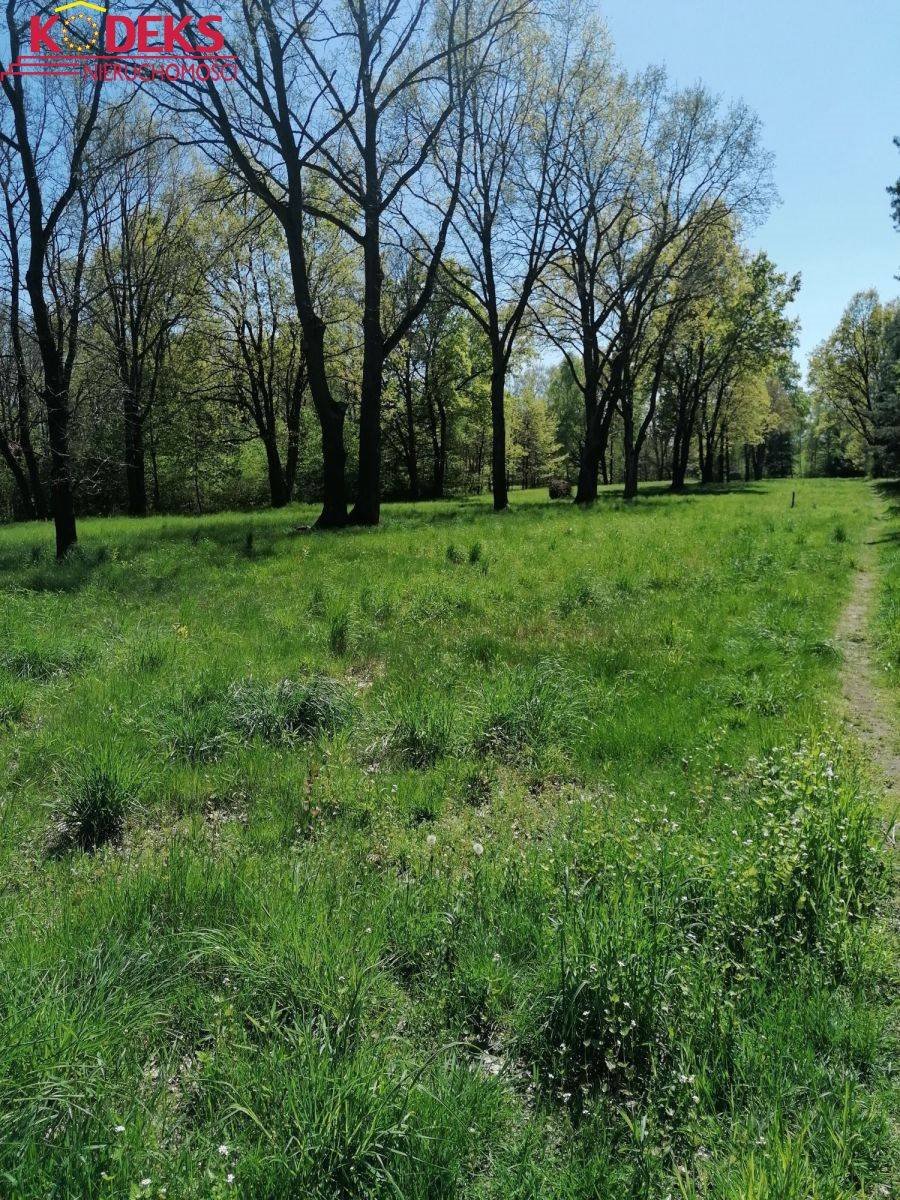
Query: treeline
x: 338, y: 277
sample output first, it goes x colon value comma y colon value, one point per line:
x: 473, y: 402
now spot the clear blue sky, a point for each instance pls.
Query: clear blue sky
x: 824, y: 76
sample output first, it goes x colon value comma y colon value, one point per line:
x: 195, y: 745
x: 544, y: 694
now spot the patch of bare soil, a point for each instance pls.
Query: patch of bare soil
x: 869, y: 711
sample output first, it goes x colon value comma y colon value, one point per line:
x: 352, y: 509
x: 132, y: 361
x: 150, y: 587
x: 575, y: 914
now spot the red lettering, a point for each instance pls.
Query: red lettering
x: 207, y: 27
x: 174, y: 35
x: 127, y: 25
x: 148, y: 29
x: 40, y: 35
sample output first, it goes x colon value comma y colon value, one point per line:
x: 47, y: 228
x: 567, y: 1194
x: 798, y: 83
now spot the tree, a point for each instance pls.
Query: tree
x: 394, y: 78
x: 749, y: 334
x: 534, y: 451
x: 46, y: 130
x: 20, y: 371
x: 597, y: 177
x: 846, y: 371
x: 366, y: 96
x: 258, y: 344
x: 887, y: 406
x: 894, y: 193
x: 514, y: 133
x: 565, y: 397
x: 146, y: 277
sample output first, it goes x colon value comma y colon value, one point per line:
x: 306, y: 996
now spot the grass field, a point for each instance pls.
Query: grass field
x: 475, y: 856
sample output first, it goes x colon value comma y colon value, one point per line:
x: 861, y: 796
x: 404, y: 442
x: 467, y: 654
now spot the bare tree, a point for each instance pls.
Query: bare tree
x: 515, y: 131
x: 18, y: 373
x: 146, y: 277
x: 258, y: 344
x: 48, y: 129
x: 361, y: 95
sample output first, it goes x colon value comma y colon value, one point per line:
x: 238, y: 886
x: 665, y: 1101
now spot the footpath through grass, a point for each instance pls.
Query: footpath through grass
x: 473, y: 856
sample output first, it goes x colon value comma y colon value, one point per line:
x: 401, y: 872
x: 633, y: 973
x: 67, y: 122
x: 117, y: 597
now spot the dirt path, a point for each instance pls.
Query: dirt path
x: 869, y: 711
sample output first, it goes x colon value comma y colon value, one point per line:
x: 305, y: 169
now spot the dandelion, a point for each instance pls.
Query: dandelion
x: 431, y: 841
x: 477, y: 849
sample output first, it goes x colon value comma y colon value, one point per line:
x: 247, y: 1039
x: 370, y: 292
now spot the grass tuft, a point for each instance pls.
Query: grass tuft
x: 98, y: 794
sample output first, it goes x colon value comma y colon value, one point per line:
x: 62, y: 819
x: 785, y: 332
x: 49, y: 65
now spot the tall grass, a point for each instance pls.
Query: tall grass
x: 467, y: 857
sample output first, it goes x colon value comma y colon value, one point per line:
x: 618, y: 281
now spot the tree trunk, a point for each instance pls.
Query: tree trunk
x: 707, y: 458
x: 412, y: 458
x: 498, y: 431
x: 279, y: 492
x: 135, y: 467
x: 56, y: 402
x: 35, y: 484
x: 367, y: 509
x: 61, y: 496
x: 592, y: 450
x: 154, y: 468
x: 632, y: 456
x: 329, y: 412
x: 25, y: 509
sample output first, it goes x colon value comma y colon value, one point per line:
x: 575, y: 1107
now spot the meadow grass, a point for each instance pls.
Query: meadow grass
x: 477, y: 855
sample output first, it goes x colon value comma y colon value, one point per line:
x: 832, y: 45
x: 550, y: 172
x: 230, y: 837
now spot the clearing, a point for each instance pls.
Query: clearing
x: 472, y: 856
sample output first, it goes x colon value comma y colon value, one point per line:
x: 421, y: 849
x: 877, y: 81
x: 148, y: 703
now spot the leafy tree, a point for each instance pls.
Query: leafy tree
x: 847, y: 371
x: 534, y: 452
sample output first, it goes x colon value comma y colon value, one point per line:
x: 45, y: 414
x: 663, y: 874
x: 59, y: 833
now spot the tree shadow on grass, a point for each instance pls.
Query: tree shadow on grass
x: 231, y: 537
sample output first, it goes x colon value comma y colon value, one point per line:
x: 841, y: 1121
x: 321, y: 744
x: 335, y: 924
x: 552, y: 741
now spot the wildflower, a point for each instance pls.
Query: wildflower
x: 477, y: 849
x: 229, y: 1178
x: 223, y: 1150
x: 431, y: 841
x: 120, y: 1129
x: 145, y: 1183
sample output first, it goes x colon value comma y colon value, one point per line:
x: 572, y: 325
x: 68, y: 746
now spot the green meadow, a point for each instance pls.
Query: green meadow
x: 482, y: 856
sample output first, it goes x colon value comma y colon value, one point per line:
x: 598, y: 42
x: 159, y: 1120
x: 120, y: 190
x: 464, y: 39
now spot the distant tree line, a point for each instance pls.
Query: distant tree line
x: 340, y: 277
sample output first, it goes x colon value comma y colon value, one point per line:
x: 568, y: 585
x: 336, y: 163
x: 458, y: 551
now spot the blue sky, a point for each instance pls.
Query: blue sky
x: 824, y: 76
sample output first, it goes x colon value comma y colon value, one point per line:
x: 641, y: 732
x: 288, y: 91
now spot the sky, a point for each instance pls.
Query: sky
x: 824, y: 76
